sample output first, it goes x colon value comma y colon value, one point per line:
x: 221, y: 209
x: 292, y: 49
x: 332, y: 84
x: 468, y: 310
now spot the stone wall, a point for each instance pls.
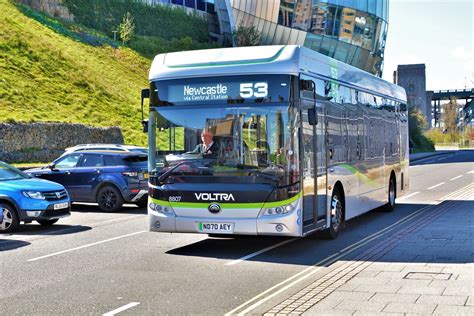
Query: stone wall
x: 43, y: 142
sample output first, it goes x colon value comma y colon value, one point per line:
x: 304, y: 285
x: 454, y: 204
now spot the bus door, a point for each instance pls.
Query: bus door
x: 313, y: 145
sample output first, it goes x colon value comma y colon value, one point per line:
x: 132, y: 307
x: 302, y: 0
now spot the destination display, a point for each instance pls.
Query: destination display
x: 217, y: 91
x: 238, y: 89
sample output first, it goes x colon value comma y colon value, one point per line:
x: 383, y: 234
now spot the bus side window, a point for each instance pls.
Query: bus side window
x: 353, y: 96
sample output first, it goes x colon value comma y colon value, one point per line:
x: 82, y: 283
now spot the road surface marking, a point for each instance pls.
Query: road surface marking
x: 121, y: 309
x: 452, y: 179
x: 472, y: 171
x: 261, y: 298
x: 408, y: 196
x: 436, y: 185
x: 86, y: 246
x: 260, y: 252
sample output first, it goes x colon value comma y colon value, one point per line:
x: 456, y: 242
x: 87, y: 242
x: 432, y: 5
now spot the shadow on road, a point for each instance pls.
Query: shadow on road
x: 58, y: 229
x: 460, y: 156
x: 94, y: 208
x: 6, y: 245
x: 414, y: 230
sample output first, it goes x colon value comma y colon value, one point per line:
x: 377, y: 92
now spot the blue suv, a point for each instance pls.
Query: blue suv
x: 105, y: 177
x: 25, y: 199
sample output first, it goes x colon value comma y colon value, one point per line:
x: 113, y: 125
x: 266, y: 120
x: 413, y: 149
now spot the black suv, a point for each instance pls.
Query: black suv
x: 108, y: 178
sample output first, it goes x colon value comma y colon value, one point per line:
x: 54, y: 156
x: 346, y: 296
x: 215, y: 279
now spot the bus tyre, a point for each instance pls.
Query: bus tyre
x: 10, y: 218
x: 390, y: 206
x: 47, y: 222
x: 109, y: 198
x: 142, y: 203
x: 337, y: 217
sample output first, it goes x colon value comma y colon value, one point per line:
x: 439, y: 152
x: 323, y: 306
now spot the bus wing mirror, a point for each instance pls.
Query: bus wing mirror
x: 145, y: 95
x: 145, y: 126
x: 312, y: 117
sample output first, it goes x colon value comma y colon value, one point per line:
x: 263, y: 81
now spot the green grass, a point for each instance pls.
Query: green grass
x: 47, y: 77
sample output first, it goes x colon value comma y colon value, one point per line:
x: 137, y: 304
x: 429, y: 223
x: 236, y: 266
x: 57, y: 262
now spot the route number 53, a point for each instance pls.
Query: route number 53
x: 257, y: 90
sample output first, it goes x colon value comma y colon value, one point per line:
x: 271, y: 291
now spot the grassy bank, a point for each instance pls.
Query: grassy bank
x: 48, y: 77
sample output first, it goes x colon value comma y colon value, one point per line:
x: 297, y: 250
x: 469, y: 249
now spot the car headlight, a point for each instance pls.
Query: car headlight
x: 34, y: 195
x: 280, y: 210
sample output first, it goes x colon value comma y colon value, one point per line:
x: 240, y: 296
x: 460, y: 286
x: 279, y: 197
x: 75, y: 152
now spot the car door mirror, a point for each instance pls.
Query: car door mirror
x: 52, y: 166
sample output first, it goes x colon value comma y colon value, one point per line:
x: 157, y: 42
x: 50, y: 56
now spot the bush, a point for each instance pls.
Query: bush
x: 161, y: 21
x: 149, y: 46
x: 73, y: 31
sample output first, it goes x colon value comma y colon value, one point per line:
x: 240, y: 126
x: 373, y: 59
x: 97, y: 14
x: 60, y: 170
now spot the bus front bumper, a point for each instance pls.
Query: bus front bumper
x: 285, y: 225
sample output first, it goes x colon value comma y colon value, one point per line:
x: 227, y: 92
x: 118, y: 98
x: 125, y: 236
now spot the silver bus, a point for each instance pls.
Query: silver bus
x: 270, y: 140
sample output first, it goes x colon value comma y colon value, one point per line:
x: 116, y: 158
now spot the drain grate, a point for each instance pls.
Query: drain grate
x: 428, y: 276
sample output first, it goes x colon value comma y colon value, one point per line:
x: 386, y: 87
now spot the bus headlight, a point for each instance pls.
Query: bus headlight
x: 161, y: 209
x: 280, y: 210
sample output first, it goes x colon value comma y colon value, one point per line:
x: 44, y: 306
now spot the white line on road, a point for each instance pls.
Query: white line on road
x: 260, y: 252
x: 436, y: 185
x: 472, y: 171
x: 408, y: 196
x: 452, y: 179
x: 121, y: 309
x: 88, y: 245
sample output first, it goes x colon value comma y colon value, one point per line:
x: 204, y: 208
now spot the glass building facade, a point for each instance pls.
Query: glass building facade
x: 199, y: 5
x: 352, y: 31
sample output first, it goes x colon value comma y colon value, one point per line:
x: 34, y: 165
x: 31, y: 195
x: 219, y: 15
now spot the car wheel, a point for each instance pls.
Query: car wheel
x: 337, y: 217
x: 47, y: 222
x: 10, y: 218
x: 109, y: 198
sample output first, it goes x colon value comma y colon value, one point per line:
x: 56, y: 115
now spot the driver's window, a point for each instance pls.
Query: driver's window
x: 69, y: 161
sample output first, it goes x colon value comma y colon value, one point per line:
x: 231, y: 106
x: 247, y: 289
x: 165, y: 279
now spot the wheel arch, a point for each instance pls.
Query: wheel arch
x: 340, y: 188
x: 104, y: 184
x: 7, y: 200
x: 394, y: 176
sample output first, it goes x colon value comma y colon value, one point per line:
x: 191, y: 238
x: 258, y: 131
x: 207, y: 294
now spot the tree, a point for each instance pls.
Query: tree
x: 126, y: 28
x: 246, y: 36
x: 416, y: 125
x: 451, y: 119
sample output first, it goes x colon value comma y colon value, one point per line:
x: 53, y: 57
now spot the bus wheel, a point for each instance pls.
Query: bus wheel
x: 10, y: 218
x: 390, y: 206
x: 337, y: 217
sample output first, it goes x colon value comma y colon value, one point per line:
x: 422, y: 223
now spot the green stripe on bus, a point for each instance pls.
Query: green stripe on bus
x: 232, y: 63
x: 227, y: 205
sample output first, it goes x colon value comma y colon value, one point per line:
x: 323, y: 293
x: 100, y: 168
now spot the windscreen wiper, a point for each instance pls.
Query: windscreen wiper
x: 167, y: 173
x: 264, y: 175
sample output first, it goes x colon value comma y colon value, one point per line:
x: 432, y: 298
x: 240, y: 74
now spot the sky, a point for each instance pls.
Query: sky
x: 436, y: 33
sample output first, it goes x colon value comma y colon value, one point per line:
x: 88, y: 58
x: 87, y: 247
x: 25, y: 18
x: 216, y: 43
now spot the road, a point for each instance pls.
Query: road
x: 98, y: 263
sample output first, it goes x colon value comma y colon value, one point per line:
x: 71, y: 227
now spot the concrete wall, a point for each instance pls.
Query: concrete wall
x: 43, y: 142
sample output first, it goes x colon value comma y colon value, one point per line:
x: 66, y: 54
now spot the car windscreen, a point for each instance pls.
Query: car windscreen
x: 9, y: 173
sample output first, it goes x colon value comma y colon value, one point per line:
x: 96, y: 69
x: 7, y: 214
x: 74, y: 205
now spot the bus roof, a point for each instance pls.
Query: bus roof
x: 290, y: 59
